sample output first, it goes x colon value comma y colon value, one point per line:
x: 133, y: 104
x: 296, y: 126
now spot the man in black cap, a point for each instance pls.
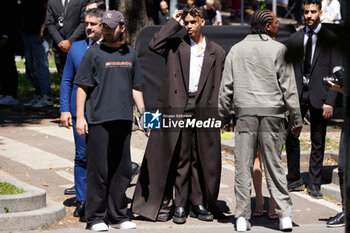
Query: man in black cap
x: 109, y: 79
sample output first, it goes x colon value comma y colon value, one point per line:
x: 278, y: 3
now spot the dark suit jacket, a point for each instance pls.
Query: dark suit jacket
x: 172, y: 100
x: 74, y: 23
x: 326, y: 57
x: 8, y: 25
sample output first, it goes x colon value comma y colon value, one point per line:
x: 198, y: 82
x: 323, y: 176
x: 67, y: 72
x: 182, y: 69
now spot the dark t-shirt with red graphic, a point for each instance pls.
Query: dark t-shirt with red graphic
x: 110, y: 75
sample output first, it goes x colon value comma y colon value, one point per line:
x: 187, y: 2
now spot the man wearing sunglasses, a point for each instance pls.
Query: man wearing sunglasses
x: 187, y: 158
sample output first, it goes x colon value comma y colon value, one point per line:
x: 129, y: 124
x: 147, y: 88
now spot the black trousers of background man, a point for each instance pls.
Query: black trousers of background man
x: 108, y: 172
x: 187, y: 182
x: 9, y: 76
x: 318, y: 128
x: 60, y: 59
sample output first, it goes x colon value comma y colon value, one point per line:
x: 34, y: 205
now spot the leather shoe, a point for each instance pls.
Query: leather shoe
x: 199, y: 211
x: 179, y: 216
x: 70, y: 191
x: 80, y: 209
x: 135, y: 168
x: 297, y: 185
x: 336, y: 221
x: 314, y: 191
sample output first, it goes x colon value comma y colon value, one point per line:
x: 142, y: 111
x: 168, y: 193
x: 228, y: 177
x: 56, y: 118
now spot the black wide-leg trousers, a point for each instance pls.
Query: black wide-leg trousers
x: 108, y: 172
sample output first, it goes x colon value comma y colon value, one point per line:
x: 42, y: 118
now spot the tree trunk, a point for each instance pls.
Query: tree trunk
x: 137, y: 14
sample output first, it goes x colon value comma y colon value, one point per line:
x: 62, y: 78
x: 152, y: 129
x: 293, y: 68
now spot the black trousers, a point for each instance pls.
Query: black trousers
x: 318, y: 135
x: 60, y: 59
x: 9, y: 76
x: 108, y: 172
x: 187, y: 182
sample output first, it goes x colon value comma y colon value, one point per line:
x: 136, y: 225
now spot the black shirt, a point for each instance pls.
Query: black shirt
x: 110, y: 74
x: 208, y: 15
x: 163, y: 18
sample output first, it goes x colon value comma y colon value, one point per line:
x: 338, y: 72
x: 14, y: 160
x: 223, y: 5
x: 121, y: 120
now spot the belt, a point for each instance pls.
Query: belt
x: 192, y: 94
x: 305, y: 87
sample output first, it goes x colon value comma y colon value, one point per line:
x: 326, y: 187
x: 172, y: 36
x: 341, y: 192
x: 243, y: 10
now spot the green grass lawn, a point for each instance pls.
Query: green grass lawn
x: 26, y: 91
x: 21, y: 65
x: 305, y: 145
x: 9, y: 189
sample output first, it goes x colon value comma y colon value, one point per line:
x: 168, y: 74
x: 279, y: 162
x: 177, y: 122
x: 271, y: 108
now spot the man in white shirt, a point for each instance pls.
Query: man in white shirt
x: 189, y: 157
x: 314, y: 55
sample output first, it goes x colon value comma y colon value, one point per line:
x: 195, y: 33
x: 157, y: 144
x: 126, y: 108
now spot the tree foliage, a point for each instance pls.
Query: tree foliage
x: 137, y: 13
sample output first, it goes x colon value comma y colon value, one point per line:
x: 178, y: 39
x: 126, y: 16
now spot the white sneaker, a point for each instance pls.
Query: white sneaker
x: 99, y: 227
x: 242, y: 224
x: 8, y: 100
x: 286, y: 224
x: 1, y: 96
x: 33, y: 101
x: 124, y: 225
x: 44, y: 101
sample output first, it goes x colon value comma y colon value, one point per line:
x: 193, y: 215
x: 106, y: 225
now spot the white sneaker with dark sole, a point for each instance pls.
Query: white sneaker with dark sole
x: 242, y: 224
x: 99, y: 227
x: 286, y: 224
x: 124, y: 225
x: 44, y: 101
x: 32, y: 102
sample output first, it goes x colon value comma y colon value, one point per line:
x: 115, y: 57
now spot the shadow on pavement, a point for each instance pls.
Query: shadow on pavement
x: 20, y: 115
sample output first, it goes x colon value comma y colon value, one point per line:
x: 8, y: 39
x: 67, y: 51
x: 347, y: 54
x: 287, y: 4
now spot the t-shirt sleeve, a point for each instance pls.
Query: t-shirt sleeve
x: 85, y: 74
x: 138, y: 76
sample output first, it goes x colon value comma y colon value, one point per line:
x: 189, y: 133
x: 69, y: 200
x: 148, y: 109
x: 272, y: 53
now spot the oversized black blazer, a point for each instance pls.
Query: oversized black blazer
x: 326, y: 57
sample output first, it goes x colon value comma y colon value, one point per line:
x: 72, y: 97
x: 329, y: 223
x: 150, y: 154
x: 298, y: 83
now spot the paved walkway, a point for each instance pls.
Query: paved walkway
x: 34, y: 149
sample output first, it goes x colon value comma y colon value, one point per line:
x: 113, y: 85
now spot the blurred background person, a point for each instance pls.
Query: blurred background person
x: 218, y: 17
x: 163, y: 13
x: 65, y: 22
x: 235, y: 6
x: 209, y: 12
x: 91, y: 4
x: 9, y: 76
x: 36, y: 49
x: 190, y: 4
x: 331, y: 11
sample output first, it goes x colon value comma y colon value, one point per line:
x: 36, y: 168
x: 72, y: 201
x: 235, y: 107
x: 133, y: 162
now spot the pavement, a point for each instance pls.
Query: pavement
x: 36, y: 151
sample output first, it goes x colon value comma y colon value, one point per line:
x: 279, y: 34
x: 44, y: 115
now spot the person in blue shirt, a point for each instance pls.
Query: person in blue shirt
x: 68, y: 90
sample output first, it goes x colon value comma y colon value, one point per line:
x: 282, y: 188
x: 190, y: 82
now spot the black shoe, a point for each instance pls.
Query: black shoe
x: 70, y: 191
x: 135, y: 168
x: 199, y: 211
x: 179, y: 216
x: 314, y: 191
x: 80, y: 209
x: 298, y: 185
x: 336, y: 221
